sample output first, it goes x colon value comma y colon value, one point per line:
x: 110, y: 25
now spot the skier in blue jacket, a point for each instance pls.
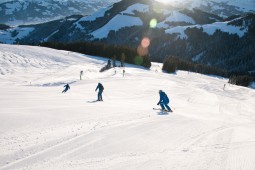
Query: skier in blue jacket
x: 163, y: 101
x: 100, y: 88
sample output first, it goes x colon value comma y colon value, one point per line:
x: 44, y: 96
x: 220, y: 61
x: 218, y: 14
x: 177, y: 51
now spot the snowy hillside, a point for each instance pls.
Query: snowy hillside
x: 210, y: 29
x: 42, y: 128
x: 223, y: 8
x: 17, y: 12
x: 14, y: 34
x: 173, y: 20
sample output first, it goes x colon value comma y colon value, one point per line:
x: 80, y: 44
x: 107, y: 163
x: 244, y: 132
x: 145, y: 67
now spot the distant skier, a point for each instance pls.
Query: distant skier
x: 81, y: 73
x: 67, y: 87
x: 100, y: 88
x: 123, y: 73
x: 109, y: 64
x: 163, y: 101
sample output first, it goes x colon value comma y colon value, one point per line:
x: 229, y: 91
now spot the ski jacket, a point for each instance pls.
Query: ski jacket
x: 67, y: 86
x: 163, y: 98
x: 100, y: 87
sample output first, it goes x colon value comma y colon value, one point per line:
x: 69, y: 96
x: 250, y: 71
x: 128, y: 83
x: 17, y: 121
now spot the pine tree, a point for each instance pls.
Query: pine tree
x: 122, y: 60
x: 114, y: 61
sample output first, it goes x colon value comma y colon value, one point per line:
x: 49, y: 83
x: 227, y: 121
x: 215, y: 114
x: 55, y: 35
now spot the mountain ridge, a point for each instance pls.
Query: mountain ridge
x: 17, y: 12
x: 194, y: 35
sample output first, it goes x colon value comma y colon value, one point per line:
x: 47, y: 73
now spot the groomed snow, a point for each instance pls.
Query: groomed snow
x: 42, y: 128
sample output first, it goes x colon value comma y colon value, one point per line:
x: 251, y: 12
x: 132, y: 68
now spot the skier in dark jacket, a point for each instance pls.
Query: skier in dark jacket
x: 67, y: 87
x: 100, y: 88
x: 163, y: 101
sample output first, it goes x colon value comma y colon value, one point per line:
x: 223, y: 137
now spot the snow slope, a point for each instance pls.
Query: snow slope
x: 114, y: 25
x: 20, y: 32
x: 210, y: 29
x: 124, y: 19
x: 41, y: 128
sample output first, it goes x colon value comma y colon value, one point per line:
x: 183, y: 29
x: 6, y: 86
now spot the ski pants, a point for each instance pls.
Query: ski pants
x: 99, y: 95
x: 163, y: 105
x: 64, y: 90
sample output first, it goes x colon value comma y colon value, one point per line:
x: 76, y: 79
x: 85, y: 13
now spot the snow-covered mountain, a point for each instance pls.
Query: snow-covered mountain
x: 127, y: 14
x: 189, y: 33
x: 135, y: 13
x: 17, y: 12
x: 42, y: 128
x: 223, y: 8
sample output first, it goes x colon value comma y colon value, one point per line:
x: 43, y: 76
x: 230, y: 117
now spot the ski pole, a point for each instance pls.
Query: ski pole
x: 172, y: 107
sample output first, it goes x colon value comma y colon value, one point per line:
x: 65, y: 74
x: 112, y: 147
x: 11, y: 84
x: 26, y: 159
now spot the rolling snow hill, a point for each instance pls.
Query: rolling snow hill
x: 42, y: 128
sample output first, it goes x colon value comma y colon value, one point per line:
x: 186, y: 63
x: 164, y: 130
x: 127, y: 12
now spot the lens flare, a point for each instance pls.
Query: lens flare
x: 141, y: 51
x: 153, y: 23
x: 145, y: 42
x: 138, y: 60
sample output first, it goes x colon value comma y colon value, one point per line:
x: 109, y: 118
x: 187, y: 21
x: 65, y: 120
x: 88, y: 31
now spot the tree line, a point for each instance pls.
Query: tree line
x: 172, y: 63
x: 128, y: 54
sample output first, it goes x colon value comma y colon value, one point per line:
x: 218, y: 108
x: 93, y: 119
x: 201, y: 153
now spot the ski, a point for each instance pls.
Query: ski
x: 162, y: 110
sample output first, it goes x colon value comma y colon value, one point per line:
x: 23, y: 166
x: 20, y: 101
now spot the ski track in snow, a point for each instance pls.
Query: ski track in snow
x: 41, y: 128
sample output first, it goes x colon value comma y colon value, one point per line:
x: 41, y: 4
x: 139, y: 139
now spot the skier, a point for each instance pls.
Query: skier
x: 67, y: 87
x: 100, y: 88
x: 123, y: 72
x: 109, y: 64
x: 163, y: 101
x: 81, y: 73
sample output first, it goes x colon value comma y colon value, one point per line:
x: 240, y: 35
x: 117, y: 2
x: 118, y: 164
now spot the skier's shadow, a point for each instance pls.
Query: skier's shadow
x: 92, y: 101
x: 163, y: 113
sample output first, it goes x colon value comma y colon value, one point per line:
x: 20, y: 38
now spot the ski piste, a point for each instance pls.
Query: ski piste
x: 162, y: 110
